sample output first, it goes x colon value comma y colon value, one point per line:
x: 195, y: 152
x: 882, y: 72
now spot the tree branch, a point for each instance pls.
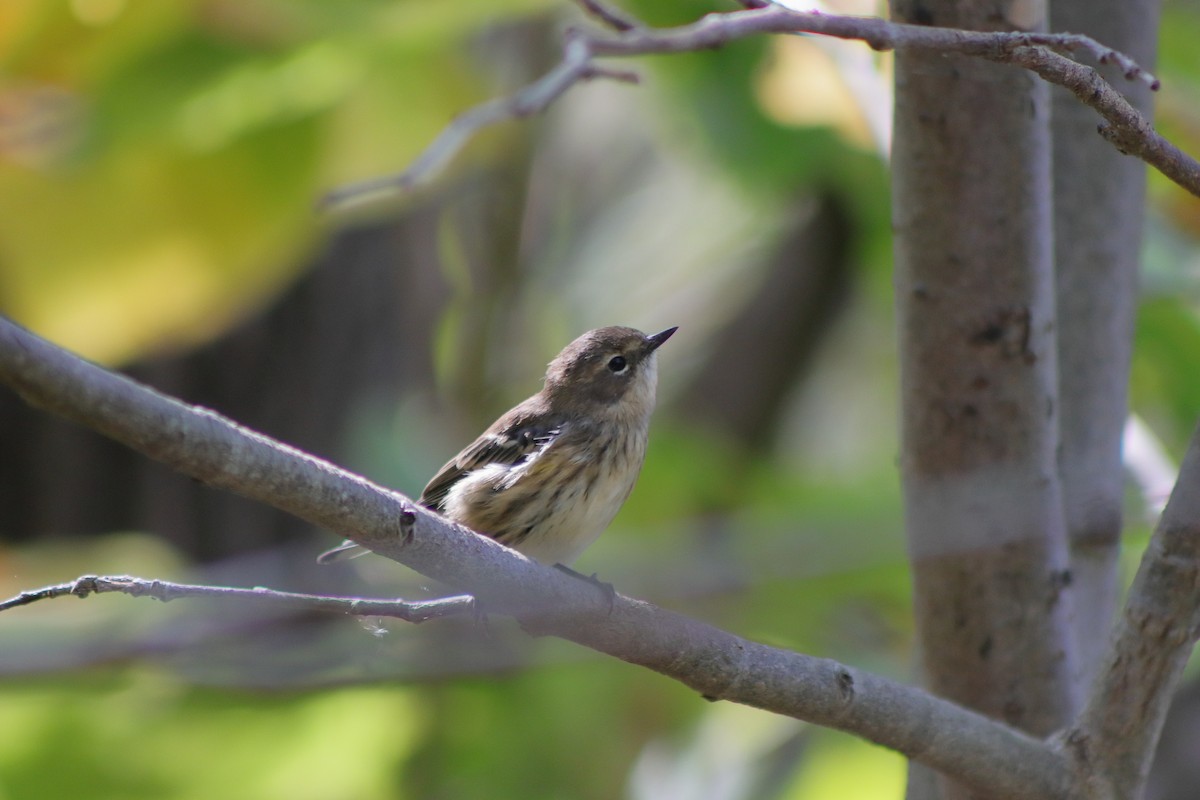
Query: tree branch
x: 1153, y: 639
x: 608, y: 15
x: 1041, y: 53
x: 576, y: 66
x: 965, y: 745
x: 415, y: 611
x: 1123, y: 126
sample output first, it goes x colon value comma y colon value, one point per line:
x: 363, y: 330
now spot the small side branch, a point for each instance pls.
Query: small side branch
x: 410, y: 611
x: 1124, y: 126
x: 609, y: 15
x: 576, y: 66
x: 1046, y: 54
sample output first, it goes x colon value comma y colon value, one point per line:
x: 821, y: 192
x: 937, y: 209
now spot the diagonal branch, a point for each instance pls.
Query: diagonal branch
x: 967, y: 746
x: 609, y: 15
x: 1046, y: 54
x: 1124, y: 126
x: 576, y: 66
x: 1153, y: 639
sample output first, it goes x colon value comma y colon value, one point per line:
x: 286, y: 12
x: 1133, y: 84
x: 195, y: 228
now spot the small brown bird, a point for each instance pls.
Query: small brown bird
x: 548, y: 477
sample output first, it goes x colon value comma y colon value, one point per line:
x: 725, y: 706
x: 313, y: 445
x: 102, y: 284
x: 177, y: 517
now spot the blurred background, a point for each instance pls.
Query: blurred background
x: 161, y: 165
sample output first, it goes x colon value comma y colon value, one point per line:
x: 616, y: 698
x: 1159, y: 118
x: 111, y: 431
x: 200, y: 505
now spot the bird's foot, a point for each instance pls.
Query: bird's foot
x: 610, y: 594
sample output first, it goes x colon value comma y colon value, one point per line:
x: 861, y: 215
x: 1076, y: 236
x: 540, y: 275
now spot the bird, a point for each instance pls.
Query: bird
x: 549, y: 475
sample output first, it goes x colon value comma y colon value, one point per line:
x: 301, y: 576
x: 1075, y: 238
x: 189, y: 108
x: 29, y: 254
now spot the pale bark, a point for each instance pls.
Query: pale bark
x: 1099, y: 199
x: 1116, y: 735
x: 975, y: 303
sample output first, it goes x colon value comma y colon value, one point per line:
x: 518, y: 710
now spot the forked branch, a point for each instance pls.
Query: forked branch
x: 1046, y: 54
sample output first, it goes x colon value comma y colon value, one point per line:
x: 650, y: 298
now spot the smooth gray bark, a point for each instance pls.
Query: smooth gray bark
x: 1114, y: 741
x: 1099, y: 199
x: 975, y: 306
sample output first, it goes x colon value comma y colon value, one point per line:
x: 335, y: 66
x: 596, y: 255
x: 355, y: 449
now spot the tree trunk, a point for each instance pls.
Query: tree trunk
x: 975, y: 312
x: 1099, y: 197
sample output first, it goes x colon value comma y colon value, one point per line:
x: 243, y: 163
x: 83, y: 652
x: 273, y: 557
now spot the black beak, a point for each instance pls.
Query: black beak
x: 654, y: 341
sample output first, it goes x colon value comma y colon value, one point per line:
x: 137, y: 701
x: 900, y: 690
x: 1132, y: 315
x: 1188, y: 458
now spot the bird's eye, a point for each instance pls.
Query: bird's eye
x: 618, y: 364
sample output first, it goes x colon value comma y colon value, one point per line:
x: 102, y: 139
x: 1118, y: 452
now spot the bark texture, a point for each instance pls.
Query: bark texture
x: 1099, y: 199
x: 1114, y: 740
x: 975, y: 303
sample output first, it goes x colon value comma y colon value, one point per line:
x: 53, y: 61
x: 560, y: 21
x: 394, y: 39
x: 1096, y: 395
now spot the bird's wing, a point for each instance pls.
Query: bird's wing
x: 502, y: 444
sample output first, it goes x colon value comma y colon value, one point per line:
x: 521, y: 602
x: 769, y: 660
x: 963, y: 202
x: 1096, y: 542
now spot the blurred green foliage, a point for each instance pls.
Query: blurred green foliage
x: 137, y: 734
x: 160, y: 162
x: 159, y: 165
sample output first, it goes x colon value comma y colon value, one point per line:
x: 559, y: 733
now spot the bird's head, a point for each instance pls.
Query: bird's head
x: 611, y: 371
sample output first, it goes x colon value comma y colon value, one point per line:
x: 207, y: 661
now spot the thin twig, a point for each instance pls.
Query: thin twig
x: 1123, y: 126
x: 415, y: 611
x: 576, y: 66
x: 1041, y: 53
x: 617, y: 20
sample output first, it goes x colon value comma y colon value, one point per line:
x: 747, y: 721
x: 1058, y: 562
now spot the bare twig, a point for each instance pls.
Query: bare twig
x: 1041, y: 53
x: 610, y: 16
x: 576, y: 66
x: 967, y: 746
x: 715, y: 30
x: 1124, y: 126
x: 410, y: 611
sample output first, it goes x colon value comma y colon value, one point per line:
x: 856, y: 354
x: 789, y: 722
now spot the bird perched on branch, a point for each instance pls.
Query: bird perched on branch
x: 548, y: 477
